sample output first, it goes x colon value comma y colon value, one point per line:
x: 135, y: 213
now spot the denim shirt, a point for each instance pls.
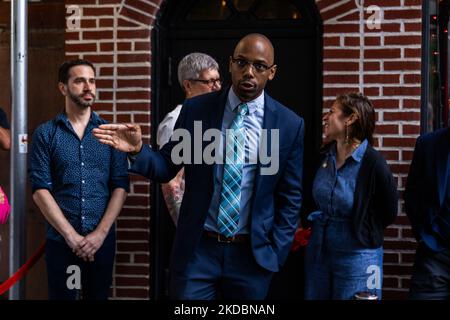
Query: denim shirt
x: 334, y: 189
x: 80, y: 174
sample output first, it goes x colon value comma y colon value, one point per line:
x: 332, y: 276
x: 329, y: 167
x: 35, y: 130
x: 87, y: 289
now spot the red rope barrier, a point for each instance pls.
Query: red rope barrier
x: 5, y: 286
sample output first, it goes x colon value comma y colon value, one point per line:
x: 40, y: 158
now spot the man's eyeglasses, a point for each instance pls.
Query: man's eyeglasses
x: 242, y: 63
x: 210, y: 82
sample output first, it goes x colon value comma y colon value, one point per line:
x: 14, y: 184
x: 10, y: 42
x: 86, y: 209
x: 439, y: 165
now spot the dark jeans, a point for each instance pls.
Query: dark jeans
x: 96, y: 276
x: 221, y: 271
x: 431, y: 275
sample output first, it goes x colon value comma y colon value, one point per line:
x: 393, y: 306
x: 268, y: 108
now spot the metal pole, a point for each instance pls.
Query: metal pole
x: 425, y: 94
x: 18, y: 172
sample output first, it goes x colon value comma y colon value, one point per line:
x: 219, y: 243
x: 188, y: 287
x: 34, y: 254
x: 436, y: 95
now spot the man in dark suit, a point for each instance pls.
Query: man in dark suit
x: 427, y: 203
x: 237, y: 219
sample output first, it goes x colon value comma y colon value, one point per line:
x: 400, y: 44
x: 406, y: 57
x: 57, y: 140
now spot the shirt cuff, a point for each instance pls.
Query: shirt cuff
x: 132, y: 157
x: 36, y: 185
x: 121, y: 183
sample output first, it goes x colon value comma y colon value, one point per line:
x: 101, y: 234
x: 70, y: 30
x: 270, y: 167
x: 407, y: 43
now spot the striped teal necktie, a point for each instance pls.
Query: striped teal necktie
x: 230, y: 197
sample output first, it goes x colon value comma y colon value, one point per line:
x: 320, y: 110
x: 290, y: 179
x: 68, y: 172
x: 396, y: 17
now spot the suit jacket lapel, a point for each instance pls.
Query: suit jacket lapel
x: 269, y: 122
x: 217, y: 112
x: 215, y: 122
x: 442, y: 150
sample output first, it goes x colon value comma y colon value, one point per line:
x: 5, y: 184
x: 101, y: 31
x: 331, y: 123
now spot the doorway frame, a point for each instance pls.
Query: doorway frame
x: 159, y: 38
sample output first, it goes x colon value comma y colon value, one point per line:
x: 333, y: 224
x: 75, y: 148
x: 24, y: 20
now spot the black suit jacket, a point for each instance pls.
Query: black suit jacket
x: 426, y: 185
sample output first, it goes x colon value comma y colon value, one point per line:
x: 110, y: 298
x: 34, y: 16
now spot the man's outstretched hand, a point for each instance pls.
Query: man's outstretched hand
x: 125, y: 137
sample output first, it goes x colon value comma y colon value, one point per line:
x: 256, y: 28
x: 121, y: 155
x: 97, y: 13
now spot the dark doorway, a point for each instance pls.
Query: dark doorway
x: 214, y: 27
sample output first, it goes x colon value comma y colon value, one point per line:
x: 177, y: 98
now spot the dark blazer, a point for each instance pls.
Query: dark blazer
x: 375, y: 202
x: 426, y: 185
x: 276, y: 198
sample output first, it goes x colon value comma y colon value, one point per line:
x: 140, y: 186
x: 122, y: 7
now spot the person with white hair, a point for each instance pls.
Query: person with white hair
x: 198, y: 73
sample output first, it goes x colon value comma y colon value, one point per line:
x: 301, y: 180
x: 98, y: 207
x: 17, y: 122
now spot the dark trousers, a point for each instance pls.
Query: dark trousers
x: 220, y: 271
x: 431, y: 275
x: 96, y: 276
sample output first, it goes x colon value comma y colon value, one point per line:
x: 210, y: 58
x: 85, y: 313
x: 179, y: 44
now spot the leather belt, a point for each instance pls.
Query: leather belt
x: 237, y: 238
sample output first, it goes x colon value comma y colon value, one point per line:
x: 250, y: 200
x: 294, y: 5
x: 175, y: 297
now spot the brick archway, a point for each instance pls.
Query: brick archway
x: 139, y: 12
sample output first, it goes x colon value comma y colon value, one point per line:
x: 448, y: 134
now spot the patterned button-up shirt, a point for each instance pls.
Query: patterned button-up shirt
x: 80, y: 174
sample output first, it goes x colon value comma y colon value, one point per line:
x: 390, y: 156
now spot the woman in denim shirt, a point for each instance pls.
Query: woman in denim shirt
x: 355, y: 199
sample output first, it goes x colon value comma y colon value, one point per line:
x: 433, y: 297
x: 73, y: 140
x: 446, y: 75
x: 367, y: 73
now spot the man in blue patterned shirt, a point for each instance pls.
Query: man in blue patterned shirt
x: 80, y: 186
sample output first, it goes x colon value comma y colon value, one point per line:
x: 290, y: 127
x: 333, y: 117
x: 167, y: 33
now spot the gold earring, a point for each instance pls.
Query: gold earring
x: 347, y: 139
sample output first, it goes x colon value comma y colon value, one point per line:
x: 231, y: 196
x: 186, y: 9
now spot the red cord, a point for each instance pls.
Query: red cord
x: 23, y: 270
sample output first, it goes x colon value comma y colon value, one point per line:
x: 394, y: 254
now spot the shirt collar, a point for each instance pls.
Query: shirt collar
x: 357, y: 154
x: 61, y: 117
x: 94, y: 119
x: 253, y: 105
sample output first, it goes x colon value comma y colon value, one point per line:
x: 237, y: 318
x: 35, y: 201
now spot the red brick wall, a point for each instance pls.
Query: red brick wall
x: 383, y: 63
x: 115, y: 36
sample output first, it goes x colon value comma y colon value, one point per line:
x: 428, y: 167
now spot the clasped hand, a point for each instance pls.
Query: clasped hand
x: 86, y: 247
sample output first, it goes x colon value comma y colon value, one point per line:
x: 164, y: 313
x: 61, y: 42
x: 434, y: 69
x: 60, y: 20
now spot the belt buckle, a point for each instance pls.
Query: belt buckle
x: 222, y: 239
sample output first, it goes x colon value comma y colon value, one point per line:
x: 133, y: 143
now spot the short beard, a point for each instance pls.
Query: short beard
x: 79, y: 102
